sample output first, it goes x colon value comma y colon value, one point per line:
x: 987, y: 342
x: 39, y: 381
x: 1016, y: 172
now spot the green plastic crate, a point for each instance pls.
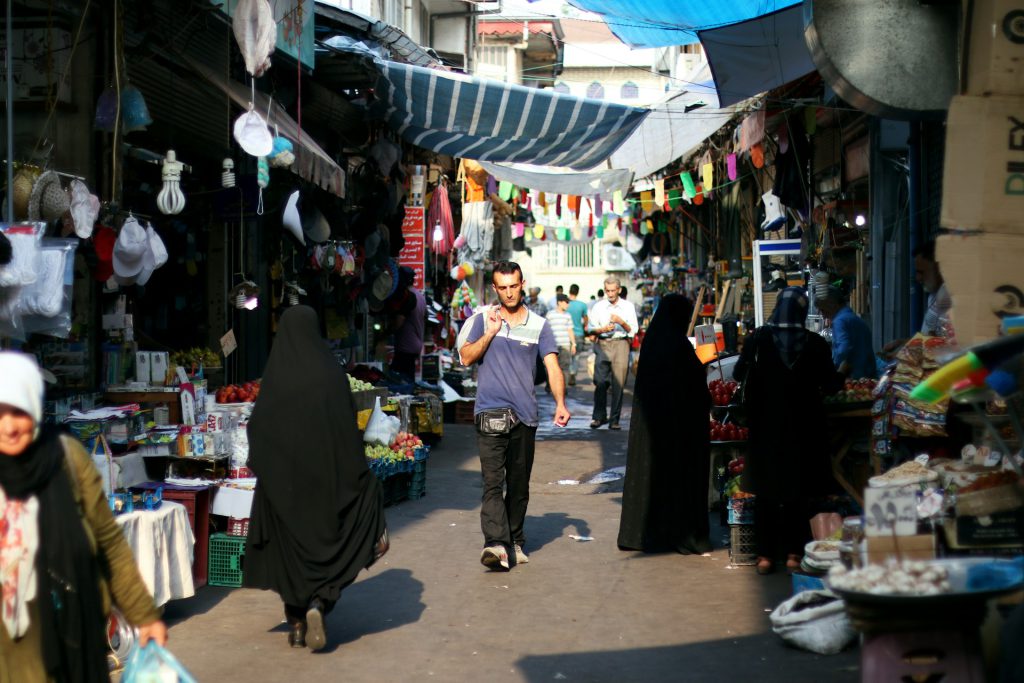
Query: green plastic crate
x: 227, y: 557
x: 418, y: 486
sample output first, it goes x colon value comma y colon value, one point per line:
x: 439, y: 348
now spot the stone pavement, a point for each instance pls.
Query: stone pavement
x: 579, y: 611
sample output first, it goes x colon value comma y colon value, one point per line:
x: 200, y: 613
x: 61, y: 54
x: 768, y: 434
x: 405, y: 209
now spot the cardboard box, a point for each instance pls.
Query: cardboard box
x: 919, y: 547
x: 984, y: 276
x: 142, y: 370
x: 158, y: 364
x: 995, y: 48
x: 983, y: 176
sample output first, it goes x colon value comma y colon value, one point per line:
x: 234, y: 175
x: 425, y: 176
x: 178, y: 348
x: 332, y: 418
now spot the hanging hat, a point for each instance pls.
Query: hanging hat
x: 24, y: 180
x: 103, y: 239
x: 130, y: 251
x: 291, y: 220
x: 85, y: 208
x: 252, y: 134
x: 314, y: 225
x: 154, y: 257
x: 48, y: 200
x: 380, y: 288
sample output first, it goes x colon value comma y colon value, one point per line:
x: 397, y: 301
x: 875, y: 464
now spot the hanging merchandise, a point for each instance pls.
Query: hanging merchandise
x: 478, y: 227
x: 647, y: 202
x: 154, y: 257
x: 292, y: 292
x: 730, y: 164
x: 757, y: 155
x: 774, y: 212
x: 134, y: 112
x: 130, y: 251
x: 601, y: 226
x: 291, y: 220
x: 262, y: 180
x: 542, y: 200
x: 659, y: 193
x: 103, y: 240
x: 645, y: 227
x: 85, y: 208
x: 462, y: 271
x: 24, y: 180
x: 618, y: 203
x: 688, y: 187
x: 440, y: 214
x: 675, y: 197
x: 708, y: 175
x: 256, y: 33
x: 538, y: 231
x: 698, y: 197
x: 252, y: 134
x: 598, y: 206
x: 506, y: 190
x: 463, y: 301
x: 245, y: 295
x: 171, y: 201
x: 283, y: 153
x: 48, y: 200
x: 106, y: 110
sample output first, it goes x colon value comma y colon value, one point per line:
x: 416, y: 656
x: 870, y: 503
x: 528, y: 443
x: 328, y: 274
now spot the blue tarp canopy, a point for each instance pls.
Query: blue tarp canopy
x: 661, y: 23
x: 488, y: 120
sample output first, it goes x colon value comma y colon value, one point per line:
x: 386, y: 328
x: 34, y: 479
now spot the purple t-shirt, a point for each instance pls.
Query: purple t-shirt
x: 506, y: 374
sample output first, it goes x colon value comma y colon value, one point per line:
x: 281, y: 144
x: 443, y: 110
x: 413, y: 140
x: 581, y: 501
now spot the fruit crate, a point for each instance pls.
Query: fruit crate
x: 464, y: 412
x: 741, y: 545
x: 418, y: 485
x: 396, y: 487
x: 227, y: 558
x: 238, y: 527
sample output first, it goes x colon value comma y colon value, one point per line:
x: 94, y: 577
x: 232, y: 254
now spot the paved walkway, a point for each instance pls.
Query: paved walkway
x: 579, y: 611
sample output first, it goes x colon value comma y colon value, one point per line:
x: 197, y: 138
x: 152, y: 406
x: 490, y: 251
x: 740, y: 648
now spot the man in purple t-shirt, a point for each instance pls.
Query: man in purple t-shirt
x: 506, y: 341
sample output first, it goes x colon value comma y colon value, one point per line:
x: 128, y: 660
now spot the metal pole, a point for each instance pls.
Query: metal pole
x: 9, y: 71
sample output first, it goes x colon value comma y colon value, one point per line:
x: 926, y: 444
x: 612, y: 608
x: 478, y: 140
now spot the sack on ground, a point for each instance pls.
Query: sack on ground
x: 154, y: 663
x: 814, y: 620
x: 381, y: 428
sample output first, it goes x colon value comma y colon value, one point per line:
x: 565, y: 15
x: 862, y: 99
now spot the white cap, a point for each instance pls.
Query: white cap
x: 155, y: 256
x: 252, y: 134
x: 130, y: 249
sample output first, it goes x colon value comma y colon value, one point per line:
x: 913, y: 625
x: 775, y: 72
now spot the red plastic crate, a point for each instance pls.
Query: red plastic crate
x: 238, y: 527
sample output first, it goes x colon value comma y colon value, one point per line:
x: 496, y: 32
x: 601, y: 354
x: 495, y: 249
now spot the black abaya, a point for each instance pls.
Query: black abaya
x: 665, y: 495
x: 318, y: 510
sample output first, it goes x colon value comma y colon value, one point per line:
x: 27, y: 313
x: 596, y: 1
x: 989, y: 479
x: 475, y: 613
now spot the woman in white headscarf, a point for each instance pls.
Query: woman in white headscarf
x: 63, y: 558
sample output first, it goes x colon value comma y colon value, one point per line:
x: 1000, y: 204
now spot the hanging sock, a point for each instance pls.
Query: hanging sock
x: 492, y: 185
x: 708, y: 175
x: 505, y: 190
x: 262, y: 179
x: 647, y: 202
x: 659, y: 192
x: 598, y: 205
x: 730, y: 163
x: 688, y: 187
x: 558, y: 206
x: 618, y: 203
x: 541, y: 200
x: 698, y: 197
x: 757, y: 155
x: 675, y: 197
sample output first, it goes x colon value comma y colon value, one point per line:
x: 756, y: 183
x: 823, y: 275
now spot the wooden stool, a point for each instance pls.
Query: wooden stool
x: 945, y: 656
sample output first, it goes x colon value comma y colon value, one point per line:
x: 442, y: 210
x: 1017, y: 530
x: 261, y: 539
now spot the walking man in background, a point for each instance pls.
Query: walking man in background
x: 578, y: 311
x: 565, y: 338
x: 613, y: 321
x: 507, y: 340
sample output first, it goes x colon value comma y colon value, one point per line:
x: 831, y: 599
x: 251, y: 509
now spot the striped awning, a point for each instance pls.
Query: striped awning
x: 488, y: 120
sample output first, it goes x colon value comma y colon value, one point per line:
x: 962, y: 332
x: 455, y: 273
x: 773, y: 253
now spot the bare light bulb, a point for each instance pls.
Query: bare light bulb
x: 171, y: 201
x: 860, y: 219
x: 227, y: 178
x: 438, y: 232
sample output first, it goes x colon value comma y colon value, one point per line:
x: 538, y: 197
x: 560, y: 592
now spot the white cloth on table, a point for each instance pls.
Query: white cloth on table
x: 162, y: 543
x: 232, y: 502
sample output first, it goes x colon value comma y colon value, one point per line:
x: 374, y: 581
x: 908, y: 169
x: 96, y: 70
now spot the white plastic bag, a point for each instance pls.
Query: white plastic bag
x: 814, y: 620
x: 381, y: 428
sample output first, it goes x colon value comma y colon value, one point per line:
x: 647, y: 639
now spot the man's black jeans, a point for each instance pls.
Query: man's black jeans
x: 505, y: 459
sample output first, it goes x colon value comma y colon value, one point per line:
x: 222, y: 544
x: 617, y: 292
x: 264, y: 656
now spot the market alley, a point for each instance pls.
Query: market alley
x: 579, y: 611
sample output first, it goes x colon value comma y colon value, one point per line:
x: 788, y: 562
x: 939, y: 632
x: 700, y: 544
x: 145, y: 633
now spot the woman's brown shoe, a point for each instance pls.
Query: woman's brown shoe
x: 793, y: 562
x: 765, y: 566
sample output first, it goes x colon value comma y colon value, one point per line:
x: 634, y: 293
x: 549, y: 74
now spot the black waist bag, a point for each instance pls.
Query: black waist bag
x: 496, y: 422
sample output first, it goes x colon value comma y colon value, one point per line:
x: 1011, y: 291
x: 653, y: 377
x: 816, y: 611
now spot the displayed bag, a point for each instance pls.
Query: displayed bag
x: 814, y: 620
x: 381, y: 428
x: 154, y: 663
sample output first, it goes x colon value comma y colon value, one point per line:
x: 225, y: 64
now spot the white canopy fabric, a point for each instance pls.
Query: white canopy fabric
x: 560, y: 181
x: 675, y: 127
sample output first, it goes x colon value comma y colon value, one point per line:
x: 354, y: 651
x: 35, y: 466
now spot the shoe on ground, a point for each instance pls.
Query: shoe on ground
x: 521, y: 556
x: 495, y: 558
x: 793, y: 562
x: 316, y: 632
x: 594, y: 424
x: 765, y: 566
x: 297, y: 635
x: 614, y: 426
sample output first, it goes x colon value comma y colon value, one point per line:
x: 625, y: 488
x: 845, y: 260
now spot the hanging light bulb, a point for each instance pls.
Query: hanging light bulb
x: 245, y: 295
x: 438, y: 232
x: 171, y: 201
x: 860, y: 220
x: 227, y: 178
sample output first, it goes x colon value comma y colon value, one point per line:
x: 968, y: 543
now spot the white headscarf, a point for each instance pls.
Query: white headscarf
x: 21, y: 384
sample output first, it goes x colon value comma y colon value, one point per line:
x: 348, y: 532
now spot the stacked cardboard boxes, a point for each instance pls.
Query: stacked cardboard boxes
x: 983, y: 179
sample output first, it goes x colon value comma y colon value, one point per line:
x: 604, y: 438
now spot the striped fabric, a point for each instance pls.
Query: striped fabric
x: 560, y: 323
x: 476, y: 118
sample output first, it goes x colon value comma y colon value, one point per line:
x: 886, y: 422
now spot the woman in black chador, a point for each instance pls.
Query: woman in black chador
x: 317, y: 516
x: 665, y: 496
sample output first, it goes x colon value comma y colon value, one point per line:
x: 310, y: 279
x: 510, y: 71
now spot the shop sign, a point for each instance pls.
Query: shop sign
x: 295, y: 28
x: 228, y: 343
x: 890, y: 510
x: 412, y: 254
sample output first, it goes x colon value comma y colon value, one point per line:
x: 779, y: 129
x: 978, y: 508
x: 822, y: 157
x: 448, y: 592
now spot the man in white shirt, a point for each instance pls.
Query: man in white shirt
x: 613, y: 322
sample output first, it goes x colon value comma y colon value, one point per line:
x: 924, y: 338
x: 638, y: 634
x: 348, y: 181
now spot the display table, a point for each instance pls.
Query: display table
x: 848, y: 423
x: 196, y: 500
x: 162, y: 543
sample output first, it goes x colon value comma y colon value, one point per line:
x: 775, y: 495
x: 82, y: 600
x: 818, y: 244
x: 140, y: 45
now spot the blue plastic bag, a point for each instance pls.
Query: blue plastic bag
x: 154, y: 664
